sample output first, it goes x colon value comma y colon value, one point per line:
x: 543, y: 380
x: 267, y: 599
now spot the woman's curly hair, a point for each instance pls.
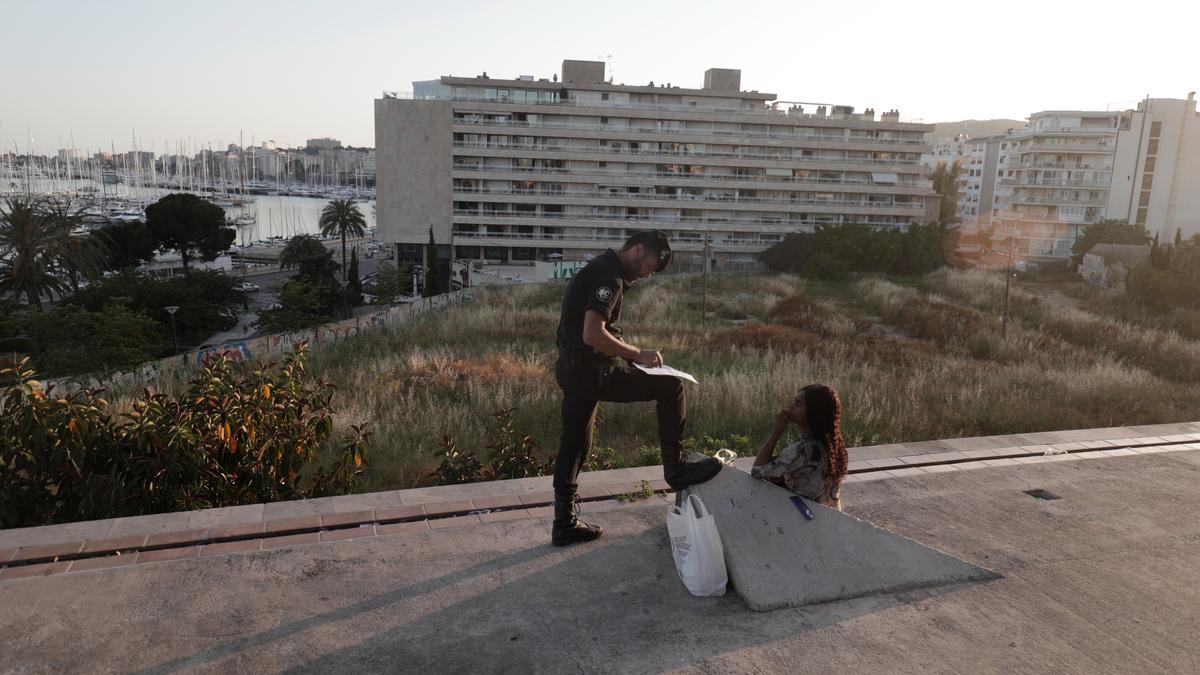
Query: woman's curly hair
x: 824, y: 411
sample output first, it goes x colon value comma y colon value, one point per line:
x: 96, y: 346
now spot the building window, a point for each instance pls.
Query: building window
x: 604, y: 96
x: 1155, y: 129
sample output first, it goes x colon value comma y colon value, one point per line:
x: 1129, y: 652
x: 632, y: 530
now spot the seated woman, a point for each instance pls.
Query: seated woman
x: 814, y: 466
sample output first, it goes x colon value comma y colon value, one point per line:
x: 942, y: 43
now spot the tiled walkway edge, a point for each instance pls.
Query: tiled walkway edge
x: 174, y: 536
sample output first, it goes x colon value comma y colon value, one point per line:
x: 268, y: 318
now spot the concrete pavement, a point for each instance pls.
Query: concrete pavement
x: 1102, y: 580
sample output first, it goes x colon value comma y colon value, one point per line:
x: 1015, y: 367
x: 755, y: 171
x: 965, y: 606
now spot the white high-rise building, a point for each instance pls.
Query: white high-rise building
x: 525, y: 169
x: 1059, y: 169
x: 1156, y: 175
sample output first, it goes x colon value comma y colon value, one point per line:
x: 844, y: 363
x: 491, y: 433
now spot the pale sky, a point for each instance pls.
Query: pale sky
x: 287, y: 71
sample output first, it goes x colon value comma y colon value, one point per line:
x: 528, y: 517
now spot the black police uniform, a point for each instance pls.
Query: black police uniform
x: 587, y: 377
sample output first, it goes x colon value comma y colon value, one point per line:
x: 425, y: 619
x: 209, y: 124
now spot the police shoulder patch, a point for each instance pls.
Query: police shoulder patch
x: 604, y: 294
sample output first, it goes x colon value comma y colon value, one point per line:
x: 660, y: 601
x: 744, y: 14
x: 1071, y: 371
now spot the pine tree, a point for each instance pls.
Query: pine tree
x: 945, y: 183
x: 354, y: 296
x: 432, y: 287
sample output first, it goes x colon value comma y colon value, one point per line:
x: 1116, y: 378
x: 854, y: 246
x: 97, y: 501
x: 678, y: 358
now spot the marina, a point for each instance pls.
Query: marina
x: 271, y: 213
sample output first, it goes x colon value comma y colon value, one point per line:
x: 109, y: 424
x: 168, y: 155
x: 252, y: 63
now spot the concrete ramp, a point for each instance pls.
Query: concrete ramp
x: 778, y: 559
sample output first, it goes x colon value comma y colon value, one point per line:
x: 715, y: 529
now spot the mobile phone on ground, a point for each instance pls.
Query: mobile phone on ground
x: 804, y: 510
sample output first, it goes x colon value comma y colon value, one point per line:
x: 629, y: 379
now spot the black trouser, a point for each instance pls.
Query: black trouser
x: 584, y: 387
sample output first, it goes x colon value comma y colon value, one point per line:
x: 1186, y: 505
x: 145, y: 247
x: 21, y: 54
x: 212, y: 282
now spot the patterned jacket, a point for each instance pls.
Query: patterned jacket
x: 804, y: 468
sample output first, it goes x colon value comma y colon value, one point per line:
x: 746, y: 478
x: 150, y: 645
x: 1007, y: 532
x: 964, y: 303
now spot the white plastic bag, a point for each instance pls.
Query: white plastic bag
x: 696, y: 547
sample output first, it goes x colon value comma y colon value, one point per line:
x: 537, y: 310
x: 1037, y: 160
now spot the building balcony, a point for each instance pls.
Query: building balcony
x: 904, y: 186
x: 1027, y: 132
x: 1049, y: 183
x: 781, y: 224
x: 1040, y: 163
x: 581, y: 238
x: 496, y: 149
x: 712, y: 200
x: 1051, y: 200
x: 634, y: 131
x: 1067, y: 148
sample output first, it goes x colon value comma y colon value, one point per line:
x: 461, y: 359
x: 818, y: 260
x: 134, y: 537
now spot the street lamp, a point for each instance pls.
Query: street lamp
x: 174, y: 341
x: 1008, y: 276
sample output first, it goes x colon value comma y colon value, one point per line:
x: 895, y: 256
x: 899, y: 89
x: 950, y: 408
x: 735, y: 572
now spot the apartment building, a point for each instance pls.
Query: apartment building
x: 1156, y: 172
x: 945, y: 149
x: 983, y: 193
x: 527, y: 169
x: 1059, y: 169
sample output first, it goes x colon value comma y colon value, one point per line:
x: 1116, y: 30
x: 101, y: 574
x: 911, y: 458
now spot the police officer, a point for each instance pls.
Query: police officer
x: 593, y: 365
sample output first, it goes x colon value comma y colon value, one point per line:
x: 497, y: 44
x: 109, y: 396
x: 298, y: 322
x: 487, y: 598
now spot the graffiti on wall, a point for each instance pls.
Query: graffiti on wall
x: 238, y: 352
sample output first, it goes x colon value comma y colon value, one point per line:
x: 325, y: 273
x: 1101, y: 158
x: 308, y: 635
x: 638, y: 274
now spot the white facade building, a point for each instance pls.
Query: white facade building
x: 1156, y: 175
x: 1059, y: 169
x: 525, y: 169
x: 947, y: 149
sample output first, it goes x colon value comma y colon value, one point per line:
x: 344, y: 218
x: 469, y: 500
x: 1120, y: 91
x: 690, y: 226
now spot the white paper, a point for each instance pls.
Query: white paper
x: 666, y: 370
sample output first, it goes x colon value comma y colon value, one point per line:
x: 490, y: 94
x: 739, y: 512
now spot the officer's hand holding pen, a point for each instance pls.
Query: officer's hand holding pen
x: 649, y: 358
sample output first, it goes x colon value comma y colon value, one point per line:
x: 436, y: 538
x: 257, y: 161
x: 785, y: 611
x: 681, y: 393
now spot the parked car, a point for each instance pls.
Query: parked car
x: 247, y: 287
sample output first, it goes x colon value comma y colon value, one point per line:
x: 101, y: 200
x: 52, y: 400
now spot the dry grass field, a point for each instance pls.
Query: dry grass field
x: 913, y: 359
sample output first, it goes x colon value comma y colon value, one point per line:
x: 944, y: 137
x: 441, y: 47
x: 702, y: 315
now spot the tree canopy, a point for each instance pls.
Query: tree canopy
x: 1108, y: 232
x: 192, y: 226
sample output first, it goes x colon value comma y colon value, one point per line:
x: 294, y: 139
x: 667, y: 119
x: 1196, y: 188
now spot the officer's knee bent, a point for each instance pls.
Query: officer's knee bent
x: 670, y: 389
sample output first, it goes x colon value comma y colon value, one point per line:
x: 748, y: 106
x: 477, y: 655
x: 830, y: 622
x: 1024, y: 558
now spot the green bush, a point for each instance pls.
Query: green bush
x: 829, y: 252
x: 457, y: 466
x: 71, y: 339
x: 304, y: 302
x: 513, y: 454
x: 709, y: 445
x: 509, y: 454
x: 825, y: 266
x: 232, y: 438
x: 390, y: 282
x: 208, y: 301
x: 605, y: 459
x: 119, y: 323
x: 1164, y: 290
x: 1107, y: 232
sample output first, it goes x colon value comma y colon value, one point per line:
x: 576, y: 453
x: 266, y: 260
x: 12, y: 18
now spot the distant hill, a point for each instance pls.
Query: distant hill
x: 974, y: 128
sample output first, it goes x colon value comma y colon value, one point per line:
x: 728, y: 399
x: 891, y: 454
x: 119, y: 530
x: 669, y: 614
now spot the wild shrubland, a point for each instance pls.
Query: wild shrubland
x: 914, y: 358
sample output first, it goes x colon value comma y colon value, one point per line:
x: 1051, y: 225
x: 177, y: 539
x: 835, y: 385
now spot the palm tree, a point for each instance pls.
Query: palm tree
x: 76, y: 254
x: 27, y: 239
x: 308, y: 254
x: 342, y: 217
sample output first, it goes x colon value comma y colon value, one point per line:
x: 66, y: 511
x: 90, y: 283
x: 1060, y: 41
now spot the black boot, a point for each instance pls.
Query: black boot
x: 567, y: 528
x: 680, y: 474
